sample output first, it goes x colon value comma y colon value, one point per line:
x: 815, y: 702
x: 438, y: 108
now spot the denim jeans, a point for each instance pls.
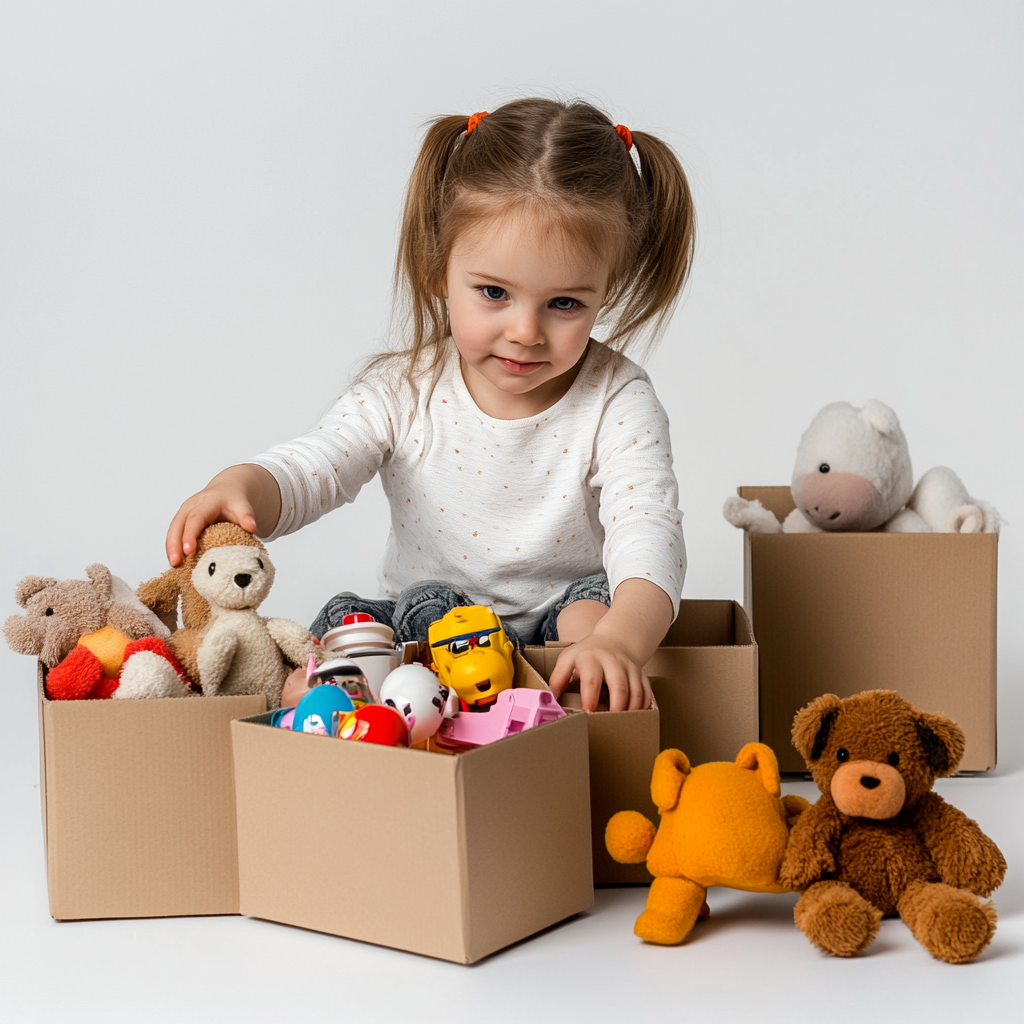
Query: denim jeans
x: 426, y: 602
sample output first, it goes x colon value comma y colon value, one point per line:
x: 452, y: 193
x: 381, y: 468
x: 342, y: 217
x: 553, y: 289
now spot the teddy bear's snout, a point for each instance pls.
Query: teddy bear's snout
x: 868, y: 789
x: 243, y: 579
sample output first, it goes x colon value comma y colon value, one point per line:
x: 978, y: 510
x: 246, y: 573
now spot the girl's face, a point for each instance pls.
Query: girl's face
x: 521, y: 303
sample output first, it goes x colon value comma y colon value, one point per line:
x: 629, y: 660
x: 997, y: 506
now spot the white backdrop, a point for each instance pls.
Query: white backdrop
x: 199, y: 205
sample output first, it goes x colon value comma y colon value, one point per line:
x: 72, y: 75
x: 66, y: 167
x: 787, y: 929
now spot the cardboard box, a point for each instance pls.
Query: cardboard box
x: 451, y: 856
x: 622, y: 746
x: 704, y: 678
x: 845, y: 612
x: 138, y: 805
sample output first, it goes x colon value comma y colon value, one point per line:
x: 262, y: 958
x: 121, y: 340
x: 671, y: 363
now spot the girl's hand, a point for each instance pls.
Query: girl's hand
x: 612, y: 644
x: 598, y: 659
x: 245, y: 495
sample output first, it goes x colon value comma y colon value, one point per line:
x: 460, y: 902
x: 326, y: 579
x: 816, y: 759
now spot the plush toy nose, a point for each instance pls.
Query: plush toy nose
x: 869, y: 781
x: 242, y: 579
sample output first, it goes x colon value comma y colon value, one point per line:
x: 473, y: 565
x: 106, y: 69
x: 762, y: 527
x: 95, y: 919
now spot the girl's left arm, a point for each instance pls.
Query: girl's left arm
x: 620, y: 643
x: 643, y: 551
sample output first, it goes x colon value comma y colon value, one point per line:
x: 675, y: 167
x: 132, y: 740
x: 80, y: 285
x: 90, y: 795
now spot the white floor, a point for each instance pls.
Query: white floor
x: 749, y: 961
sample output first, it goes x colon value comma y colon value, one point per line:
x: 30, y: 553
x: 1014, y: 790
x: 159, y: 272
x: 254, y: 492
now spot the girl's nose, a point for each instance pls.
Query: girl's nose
x: 524, y: 328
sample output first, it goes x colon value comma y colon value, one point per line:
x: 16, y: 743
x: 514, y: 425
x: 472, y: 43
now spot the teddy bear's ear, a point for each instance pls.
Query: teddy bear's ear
x: 756, y: 757
x: 670, y: 770
x: 943, y: 742
x: 880, y: 417
x: 813, y: 724
x: 31, y: 585
x: 100, y: 576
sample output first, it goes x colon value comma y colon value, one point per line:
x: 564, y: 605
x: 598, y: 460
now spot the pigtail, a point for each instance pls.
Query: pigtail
x: 421, y: 263
x: 665, y: 245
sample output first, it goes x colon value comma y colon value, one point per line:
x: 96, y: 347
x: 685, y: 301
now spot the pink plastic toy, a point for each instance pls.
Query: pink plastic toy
x: 513, y: 711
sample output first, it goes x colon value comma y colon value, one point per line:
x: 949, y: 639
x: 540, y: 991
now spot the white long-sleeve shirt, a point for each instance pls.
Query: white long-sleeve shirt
x: 510, y: 511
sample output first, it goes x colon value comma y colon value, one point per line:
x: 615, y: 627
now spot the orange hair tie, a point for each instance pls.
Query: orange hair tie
x: 625, y: 134
x: 474, y: 121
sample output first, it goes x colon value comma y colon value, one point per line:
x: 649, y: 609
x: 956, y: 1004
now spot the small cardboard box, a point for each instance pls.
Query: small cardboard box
x: 452, y: 856
x: 845, y: 612
x: 622, y: 746
x: 704, y: 678
x: 138, y: 805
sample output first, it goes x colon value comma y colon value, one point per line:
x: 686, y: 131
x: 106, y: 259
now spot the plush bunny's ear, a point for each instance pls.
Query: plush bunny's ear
x: 670, y: 770
x: 29, y: 586
x: 813, y: 724
x: 943, y: 742
x: 880, y: 417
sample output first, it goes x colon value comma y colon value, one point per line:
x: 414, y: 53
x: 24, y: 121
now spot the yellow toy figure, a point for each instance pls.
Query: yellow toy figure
x: 472, y: 655
x: 722, y: 823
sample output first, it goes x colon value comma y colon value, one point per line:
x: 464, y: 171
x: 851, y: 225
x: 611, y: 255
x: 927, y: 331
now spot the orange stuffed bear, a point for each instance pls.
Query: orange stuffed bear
x: 722, y: 823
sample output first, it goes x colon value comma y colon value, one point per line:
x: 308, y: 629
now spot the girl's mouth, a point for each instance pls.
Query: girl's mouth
x: 513, y: 367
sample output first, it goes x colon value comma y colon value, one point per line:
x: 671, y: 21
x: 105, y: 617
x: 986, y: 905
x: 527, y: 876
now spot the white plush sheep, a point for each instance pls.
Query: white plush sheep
x: 853, y: 472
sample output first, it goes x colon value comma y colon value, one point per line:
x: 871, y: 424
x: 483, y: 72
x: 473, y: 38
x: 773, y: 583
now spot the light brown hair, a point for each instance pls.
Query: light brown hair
x: 567, y: 162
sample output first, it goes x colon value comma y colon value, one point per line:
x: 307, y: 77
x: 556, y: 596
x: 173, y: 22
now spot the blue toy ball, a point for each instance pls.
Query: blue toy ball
x: 316, y: 709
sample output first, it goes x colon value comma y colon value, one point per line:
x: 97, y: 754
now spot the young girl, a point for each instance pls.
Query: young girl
x: 528, y: 466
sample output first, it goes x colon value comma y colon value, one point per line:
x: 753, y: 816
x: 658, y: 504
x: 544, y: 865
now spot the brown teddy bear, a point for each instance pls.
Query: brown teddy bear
x: 722, y: 823
x: 95, y: 637
x: 879, y: 841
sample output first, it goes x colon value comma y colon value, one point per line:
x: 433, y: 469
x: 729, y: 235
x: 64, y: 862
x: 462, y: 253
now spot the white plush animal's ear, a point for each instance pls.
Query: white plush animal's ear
x: 880, y: 417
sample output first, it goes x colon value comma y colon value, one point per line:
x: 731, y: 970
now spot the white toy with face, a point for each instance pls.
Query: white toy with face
x: 419, y: 696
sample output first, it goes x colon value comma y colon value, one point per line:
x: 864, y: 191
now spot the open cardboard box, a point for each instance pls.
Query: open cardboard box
x: 138, y: 805
x: 704, y: 678
x: 452, y: 856
x: 845, y: 612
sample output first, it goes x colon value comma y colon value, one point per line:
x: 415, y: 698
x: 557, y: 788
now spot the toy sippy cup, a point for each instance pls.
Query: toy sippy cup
x: 370, y: 644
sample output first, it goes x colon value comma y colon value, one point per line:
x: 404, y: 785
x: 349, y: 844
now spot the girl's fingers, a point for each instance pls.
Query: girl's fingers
x: 617, y: 682
x: 560, y: 675
x: 173, y: 543
x: 241, y: 515
x: 648, y: 699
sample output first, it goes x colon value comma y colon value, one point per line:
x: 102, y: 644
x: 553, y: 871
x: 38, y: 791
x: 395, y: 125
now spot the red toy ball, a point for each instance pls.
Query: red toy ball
x: 374, y: 723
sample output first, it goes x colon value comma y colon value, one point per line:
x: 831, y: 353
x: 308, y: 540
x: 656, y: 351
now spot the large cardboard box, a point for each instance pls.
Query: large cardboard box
x: 138, y: 805
x: 845, y: 612
x: 452, y: 856
x: 704, y: 678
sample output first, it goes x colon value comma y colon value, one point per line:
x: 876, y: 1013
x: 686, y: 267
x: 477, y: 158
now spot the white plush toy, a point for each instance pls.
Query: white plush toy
x: 853, y: 472
x: 239, y: 650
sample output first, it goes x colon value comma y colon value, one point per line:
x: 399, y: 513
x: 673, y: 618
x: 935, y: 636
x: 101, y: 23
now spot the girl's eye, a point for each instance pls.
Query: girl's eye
x: 493, y: 292
x: 564, y: 303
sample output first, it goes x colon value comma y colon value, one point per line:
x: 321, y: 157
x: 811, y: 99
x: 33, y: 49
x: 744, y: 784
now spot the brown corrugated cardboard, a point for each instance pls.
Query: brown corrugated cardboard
x: 450, y: 856
x: 622, y: 748
x: 845, y: 612
x: 704, y: 678
x: 138, y: 805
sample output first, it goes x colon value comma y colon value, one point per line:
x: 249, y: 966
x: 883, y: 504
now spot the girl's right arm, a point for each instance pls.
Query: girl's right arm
x: 246, y: 495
